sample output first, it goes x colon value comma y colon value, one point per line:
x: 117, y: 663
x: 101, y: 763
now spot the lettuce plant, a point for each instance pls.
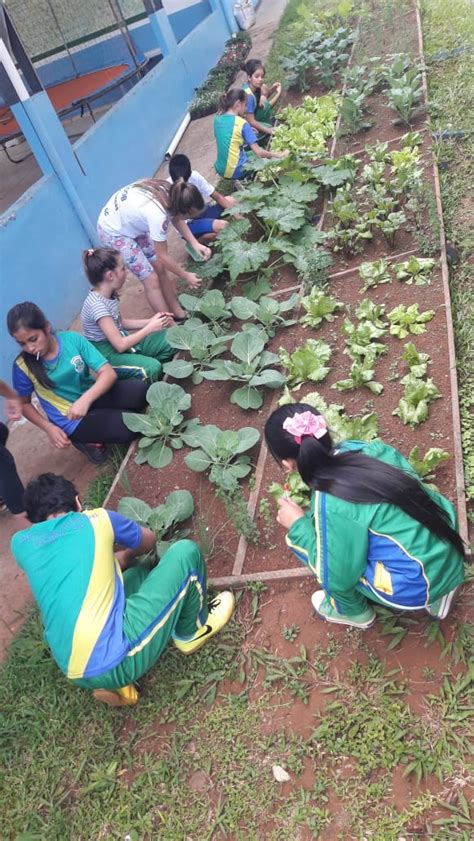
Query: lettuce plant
x: 221, y: 453
x: 163, y: 426
x: 307, y: 363
x: 415, y: 270
x: 413, y: 407
x: 417, y: 362
x: 199, y: 342
x: 406, y: 320
x: 319, y: 307
x: 298, y: 492
x: 250, y: 365
x: 361, y: 374
x: 361, y: 339
x: 269, y: 312
x: 374, y: 274
x: 307, y: 127
x: 163, y: 519
x: 370, y: 311
x: 427, y: 465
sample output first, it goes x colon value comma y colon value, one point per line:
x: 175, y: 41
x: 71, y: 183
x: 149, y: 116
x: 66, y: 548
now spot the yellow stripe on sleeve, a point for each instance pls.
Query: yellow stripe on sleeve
x: 44, y: 393
x: 235, y: 143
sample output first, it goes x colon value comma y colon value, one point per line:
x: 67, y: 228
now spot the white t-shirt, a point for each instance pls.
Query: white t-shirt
x: 205, y: 187
x: 132, y: 213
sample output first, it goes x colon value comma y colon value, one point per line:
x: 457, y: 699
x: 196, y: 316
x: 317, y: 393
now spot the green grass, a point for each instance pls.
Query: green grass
x: 451, y: 97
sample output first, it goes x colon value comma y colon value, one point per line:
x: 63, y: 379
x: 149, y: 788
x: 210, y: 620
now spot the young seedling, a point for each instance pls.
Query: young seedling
x: 221, y: 452
x: 307, y: 363
x: 406, y: 320
x: 406, y: 169
x: 200, y: 343
x: 163, y: 519
x: 269, y: 312
x: 250, y: 365
x: 417, y: 362
x: 391, y: 224
x: 361, y: 374
x: 163, y: 426
x: 427, y: 465
x: 361, y: 339
x: 374, y: 274
x: 294, y: 487
x: 319, y: 307
x: 415, y: 270
x: 370, y: 311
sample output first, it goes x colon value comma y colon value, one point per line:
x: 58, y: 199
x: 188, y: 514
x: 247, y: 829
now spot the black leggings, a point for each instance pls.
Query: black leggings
x: 11, y: 488
x: 103, y: 423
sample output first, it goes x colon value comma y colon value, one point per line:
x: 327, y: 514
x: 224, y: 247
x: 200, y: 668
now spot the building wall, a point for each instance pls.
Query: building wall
x: 41, y: 235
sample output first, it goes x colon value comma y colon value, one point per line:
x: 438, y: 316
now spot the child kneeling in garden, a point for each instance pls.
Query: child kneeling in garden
x: 106, y: 621
x: 139, y: 354
x: 374, y: 533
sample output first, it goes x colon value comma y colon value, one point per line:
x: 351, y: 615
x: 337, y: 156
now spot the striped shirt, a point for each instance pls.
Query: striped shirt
x: 95, y: 307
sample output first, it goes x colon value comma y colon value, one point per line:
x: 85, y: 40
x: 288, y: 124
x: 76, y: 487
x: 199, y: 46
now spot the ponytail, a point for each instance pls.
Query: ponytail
x: 30, y: 317
x: 230, y: 97
x: 176, y: 199
x: 355, y: 477
x: 97, y: 261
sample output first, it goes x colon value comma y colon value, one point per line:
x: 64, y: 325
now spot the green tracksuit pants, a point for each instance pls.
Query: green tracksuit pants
x: 146, y: 362
x: 171, y: 599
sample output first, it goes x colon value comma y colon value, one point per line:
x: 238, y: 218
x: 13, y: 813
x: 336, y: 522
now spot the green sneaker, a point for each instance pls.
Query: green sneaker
x: 441, y: 607
x: 220, y: 610
x: 325, y: 610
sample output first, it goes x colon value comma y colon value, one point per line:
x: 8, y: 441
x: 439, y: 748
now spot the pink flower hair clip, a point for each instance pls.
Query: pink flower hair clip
x: 305, y: 423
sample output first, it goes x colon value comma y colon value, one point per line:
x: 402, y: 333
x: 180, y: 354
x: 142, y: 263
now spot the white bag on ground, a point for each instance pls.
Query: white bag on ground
x: 244, y: 14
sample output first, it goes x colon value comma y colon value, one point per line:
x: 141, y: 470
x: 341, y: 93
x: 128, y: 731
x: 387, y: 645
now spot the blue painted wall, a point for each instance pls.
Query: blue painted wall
x: 41, y: 238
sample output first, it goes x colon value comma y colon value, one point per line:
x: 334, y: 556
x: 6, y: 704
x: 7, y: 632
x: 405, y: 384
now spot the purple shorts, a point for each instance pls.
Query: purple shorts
x: 136, y: 253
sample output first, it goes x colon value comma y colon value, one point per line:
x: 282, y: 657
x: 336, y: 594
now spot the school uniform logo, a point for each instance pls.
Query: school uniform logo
x: 78, y: 364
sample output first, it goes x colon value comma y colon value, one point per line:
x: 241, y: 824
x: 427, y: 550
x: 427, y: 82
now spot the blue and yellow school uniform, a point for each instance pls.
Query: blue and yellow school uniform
x: 375, y: 551
x: 105, y: 628
x: 232, y: 133
x: 69, y: 374
x: 263, y: 113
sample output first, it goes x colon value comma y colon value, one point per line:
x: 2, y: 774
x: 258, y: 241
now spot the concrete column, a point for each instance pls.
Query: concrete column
x: 163, y: 32
x: 225, y: 6
x: 51, y: 147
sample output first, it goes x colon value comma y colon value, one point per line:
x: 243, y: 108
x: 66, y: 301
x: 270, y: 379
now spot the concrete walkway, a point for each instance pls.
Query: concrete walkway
x: 32, y: 450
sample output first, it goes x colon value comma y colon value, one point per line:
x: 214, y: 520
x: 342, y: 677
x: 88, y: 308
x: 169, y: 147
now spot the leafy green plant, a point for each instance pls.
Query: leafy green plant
x: 374, y: 273
x: 361, y: 374
x: 406, y: 169
x: 378, y: 152
x: 343, y: 427
x: 313, y: 269
x: 361, y: 338
x: 344, y: 208
x: 233, y: 257
x: 250, y: 366
x: 294, y: 487
x: 405, y: 320
x: 351, y: 240
x: 163, y: 519
x: 368, y: 310
x: 353, y: 112
x: 427, y: 465
x: 417, y: 362
x: 319, y: 307
x: 269, y: 312
x: 163, y: 426
x: 307, y: 363
x: 415, y: 270
x: 413, y: 407
x: 212, y: 305
x: 221, y: 452
x: 391, y: 224
x: 404, y: 90
x: 306, y: 128
x: 200, y: 343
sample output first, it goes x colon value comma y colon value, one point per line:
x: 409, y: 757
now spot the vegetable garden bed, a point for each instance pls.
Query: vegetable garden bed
x: 389, y: 166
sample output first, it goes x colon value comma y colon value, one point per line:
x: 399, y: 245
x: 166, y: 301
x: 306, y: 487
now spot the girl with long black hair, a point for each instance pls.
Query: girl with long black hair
x: 78, y: 409
x: 374, y: 532
x: 260, y: 98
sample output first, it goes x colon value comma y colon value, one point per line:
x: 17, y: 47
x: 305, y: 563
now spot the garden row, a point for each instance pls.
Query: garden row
x: 328, y: 290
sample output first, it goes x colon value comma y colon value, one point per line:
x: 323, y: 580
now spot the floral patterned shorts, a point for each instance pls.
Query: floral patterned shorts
x: 136, y: 253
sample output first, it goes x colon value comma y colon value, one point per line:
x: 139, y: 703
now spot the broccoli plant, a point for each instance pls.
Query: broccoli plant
x: 413, y: 407
x: 319, y: 307
x: 415, y: 270
x: 163, y: 426
x: 417, y: 362
x: 313, y: 268
x: 427, y: 465
x: 211, y: 305
x: 250, y: 365
x: 307, y: 363
x: 222, y: 453
x: 374, y: 274
x: 294, y: 487
x: 406, y: 320
x: 200, y: 343
x: 163, y: 519
x: 269, y: 312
